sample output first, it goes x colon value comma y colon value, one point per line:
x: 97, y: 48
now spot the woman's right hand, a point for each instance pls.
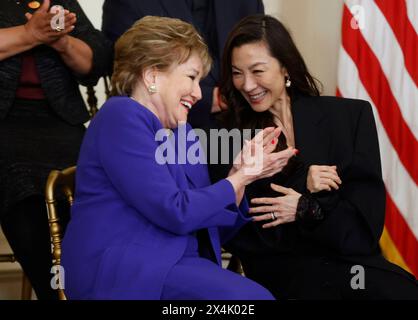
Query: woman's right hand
x: 322, y: 178
x: 258, y: 159
x: 39, y: 27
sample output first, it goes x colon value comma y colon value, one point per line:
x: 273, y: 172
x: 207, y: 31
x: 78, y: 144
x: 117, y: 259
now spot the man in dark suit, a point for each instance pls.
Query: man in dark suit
x: 212, y: 18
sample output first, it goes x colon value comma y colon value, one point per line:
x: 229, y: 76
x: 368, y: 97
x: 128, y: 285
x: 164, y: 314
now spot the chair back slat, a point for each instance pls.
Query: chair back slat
x: 65, y: 181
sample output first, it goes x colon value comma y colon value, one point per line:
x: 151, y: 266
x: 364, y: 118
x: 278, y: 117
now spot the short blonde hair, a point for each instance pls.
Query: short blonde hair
x: 158, y: 42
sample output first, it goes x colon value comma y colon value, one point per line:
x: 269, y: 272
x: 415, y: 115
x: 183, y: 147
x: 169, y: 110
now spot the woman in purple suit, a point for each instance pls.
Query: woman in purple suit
x: 144, y: 224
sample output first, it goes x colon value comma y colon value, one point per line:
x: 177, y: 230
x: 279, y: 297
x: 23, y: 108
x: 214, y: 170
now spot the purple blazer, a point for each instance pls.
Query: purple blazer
x: 132, y: 217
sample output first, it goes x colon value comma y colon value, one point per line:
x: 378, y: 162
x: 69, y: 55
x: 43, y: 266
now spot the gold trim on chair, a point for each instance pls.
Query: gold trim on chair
x: 92, y: 101
x: 92, y: 98
x: 65, y: 180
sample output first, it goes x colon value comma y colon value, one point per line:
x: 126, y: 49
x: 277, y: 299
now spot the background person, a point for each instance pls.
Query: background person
x: 212, y: 18
x: 41, y: 118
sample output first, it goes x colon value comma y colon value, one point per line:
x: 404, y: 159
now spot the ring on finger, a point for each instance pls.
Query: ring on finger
x: 273, y: 215
x: 58, y: 29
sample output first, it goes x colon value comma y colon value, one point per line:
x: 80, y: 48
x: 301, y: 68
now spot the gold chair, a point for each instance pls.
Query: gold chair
x: 65, y: 181
x: 92, y: 98
x: 232, y: 262
x: 234, y: 265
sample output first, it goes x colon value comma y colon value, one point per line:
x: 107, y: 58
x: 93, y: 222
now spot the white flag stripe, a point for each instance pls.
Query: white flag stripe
x: 382, y: 41
x: 412, y: 7
x: 400, y: 186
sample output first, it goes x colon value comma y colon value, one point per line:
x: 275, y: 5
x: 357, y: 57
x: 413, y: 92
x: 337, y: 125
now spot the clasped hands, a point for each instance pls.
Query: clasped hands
x: 282, y: 209
x: 40, y: 31
x: 257, y: 158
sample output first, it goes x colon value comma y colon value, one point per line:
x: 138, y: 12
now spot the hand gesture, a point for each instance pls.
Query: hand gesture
x: 257, y: 157
x: 39, y: 25
x: 61, y: 44
x: 277, y: 210
x: 322, y: 178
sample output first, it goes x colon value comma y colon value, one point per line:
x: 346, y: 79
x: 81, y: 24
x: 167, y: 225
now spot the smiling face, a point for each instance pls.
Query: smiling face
x: 177, y: 91
x: 258, y: 76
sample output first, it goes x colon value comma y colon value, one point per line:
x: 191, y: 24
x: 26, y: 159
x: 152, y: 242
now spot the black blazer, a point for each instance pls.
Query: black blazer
x: 58, y: 81
x: 342, y: 132
x: 328, y: 131
x: 119, y: 15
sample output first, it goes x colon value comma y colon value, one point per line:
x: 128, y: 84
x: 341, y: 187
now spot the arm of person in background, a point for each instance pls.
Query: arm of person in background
x: 85, y: 51
x: 37, y: 31
x: 85, y: 47
x: 76, y: 54
x: 13, y: 41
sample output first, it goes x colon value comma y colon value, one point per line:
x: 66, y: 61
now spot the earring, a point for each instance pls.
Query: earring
x: 152, y: 88
x: 288, y: 83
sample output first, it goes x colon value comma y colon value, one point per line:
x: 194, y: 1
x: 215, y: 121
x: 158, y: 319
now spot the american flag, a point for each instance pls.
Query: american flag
x: 378, y: 62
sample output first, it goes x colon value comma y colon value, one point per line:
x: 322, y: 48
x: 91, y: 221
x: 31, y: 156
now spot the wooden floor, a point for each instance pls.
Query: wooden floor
x: 10, y: 275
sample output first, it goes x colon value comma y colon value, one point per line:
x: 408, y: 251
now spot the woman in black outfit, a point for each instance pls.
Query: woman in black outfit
x: 317, y: 223
x: 41, y: 117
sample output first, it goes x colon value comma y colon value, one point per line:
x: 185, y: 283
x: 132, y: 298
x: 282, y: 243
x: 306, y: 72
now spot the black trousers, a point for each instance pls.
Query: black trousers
x: 26, y: 229
x: 324, y: 278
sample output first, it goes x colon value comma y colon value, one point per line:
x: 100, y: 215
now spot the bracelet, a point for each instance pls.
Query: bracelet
x: 308, y: 209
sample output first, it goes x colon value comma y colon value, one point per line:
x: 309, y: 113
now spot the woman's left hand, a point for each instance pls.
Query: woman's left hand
x: 278, y: 210
x: 59, y: 40
x: 322, y: 178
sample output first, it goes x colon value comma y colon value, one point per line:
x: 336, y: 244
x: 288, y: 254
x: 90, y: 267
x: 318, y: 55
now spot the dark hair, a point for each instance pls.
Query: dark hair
x: 265, y: 28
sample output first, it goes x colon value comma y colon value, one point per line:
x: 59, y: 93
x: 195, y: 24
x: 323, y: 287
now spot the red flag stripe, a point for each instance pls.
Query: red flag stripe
x: 401, y: 234
x: 412, y: 10
x: 375, y: 82
x: 382, y: 41
x: 396, y: 15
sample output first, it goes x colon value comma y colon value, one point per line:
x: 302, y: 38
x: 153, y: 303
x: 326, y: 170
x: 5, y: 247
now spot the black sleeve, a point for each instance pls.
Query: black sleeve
x: 354, y: 215
x: 260, y: 6
x: 102, y: 48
